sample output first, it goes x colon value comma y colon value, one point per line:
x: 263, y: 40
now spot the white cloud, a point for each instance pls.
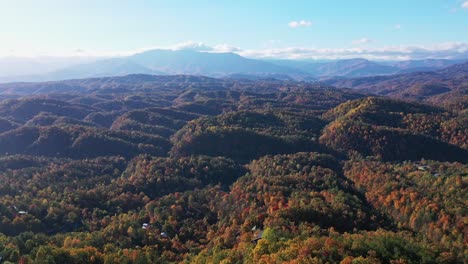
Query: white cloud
x: 465, y: 4
x: 451, y: 50
x: 225, y: 48
x: 362, y: 41
x: 397, y: 26
x: 192, y: 45
x: 302, y: 23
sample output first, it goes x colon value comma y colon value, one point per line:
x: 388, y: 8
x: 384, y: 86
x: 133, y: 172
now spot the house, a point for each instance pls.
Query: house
x: 258, y: 237
x: 423, y: 168
x: 145, y: 225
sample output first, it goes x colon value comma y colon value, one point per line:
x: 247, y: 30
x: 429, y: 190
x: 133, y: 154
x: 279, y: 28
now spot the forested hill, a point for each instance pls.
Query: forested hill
x: 185, y: 169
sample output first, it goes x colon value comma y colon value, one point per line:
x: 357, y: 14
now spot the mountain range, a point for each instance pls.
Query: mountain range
x: 170, y: 62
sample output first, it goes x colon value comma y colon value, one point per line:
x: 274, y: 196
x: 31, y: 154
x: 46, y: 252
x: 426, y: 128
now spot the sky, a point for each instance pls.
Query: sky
x: 294, y: 29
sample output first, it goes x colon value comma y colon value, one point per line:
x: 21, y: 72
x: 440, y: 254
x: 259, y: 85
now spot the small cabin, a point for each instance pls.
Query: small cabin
x: 423, y: 168
x: 258, y: 237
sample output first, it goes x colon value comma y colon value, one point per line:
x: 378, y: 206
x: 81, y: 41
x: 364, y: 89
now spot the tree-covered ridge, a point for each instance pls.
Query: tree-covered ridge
x: 309, y: 187
x: 159, y: 121
x: 246, y: 135
x: 429, y: 197
x: 159, y: 176
x: 80, y: 142
x: 395, y: 130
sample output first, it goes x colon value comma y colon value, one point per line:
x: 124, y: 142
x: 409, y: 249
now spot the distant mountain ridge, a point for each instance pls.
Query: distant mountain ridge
x: 204, y: 63
x: 170, y: 62
x: 427, y: 63
x: 354, y: 67
x: 351, y: 68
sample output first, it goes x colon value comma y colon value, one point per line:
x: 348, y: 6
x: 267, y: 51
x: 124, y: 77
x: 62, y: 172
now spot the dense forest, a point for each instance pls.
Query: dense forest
x: 185, y: 169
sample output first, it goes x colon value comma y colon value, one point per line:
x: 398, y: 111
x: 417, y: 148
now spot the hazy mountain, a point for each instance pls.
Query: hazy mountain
x: 164, y: 62
x: 101, y: 68
x: 354, y: 68
x: 416, y: 69
x: 20, y: 66
x: 351, y: 68
x: 204, y: 63
x: 168, y: 62
x: 239, y: 76
x: 341, y: 68
x: 432, y: 64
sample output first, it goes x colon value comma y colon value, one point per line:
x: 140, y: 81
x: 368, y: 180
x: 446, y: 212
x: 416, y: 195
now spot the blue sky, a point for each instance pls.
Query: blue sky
x: 273, y: 28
